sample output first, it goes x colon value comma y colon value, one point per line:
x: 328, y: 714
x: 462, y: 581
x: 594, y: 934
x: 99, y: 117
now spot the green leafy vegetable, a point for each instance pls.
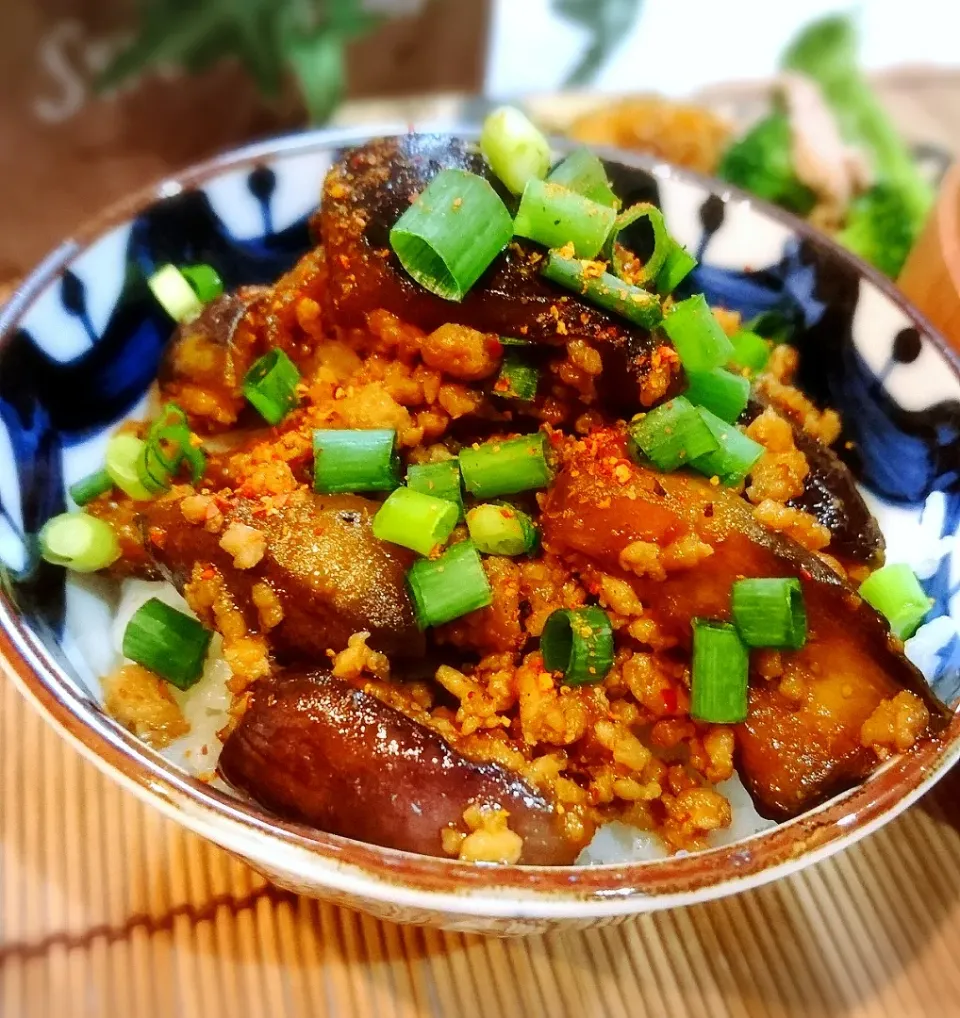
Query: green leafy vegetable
x: 884, y: 223
x: 761, y: 162
x: 882, y: 226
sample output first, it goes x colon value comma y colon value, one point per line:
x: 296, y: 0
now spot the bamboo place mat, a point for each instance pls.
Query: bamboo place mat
x: 108, y: 909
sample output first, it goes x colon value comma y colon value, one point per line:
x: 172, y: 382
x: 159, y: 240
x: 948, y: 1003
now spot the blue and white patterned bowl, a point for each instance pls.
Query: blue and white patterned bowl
x: 80, y: 344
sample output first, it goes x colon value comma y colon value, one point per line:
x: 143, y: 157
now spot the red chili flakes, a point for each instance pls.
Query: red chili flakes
x: 805, y: 574
x: 670, y: 700
x: 158, y: 536
x: 707, y: 509
x: 208, y: 573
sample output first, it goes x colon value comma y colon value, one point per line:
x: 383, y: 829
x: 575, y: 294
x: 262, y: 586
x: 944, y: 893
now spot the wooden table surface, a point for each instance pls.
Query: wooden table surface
x: 108, y: 909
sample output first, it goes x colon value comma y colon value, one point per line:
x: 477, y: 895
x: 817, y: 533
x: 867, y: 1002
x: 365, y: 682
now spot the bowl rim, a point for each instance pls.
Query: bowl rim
x: 342, y: 865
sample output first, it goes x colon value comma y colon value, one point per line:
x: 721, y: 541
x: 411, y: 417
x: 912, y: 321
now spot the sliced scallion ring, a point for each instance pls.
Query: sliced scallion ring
x: 514, y: 148
x: 445, y: 588
x: 124, y: 461
x: 415, y: 520
x: 90, y: 487
x: 605, y: 290
x: 442, y: 480
x: 720, y: 391
x: 769, y: 612
x: 347, y: 461
x: 582, y: 171
x: 734, y: 456
x: 501, y: 530
x: 451, y: 233
x: 554, y: 216
x: 696, y: 334
x: 167, y: 642
x: 719, y: 673
x: 672, y: 435
x: 205, y: 280
x: 175, y: 294
x: 79, y: 542
x: 506, y: 466
x: 895, y: 592
x: 579, y: 643
x: 750, y: 350
x: 270, y: 386
x: 518, y: 378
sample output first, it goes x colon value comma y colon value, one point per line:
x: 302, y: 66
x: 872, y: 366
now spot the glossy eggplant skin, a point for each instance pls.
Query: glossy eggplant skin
x: 316, y: 749
x: 332, y: 577
x: 830, y: 494
x: 791, y: 755
x: 364, y: 195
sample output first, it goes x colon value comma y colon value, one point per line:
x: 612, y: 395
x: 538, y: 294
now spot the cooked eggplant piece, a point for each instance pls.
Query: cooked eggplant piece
x: 367, y: 191
x: 314, y: 748
x: 792, y: 754
x: 331, y: 577
x: 206, y: 360
x: 830, y: 495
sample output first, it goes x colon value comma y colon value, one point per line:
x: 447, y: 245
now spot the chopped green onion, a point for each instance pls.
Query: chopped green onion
x: 90, y: 487
x: 721, y: 665
x: 554, y: 216
x: 896, y: 593
x: 349, y: 461
x: 769, y: 612
x: 673, y: 434
x: 720, y: 391
x: 605, y: 290
x: 735, y: 455
x: 678, y: 264
x: 614, y: 253
x: 501, y: 530
x: 175, y: 294
x: 773, y: 325
x: 124, y: 460
x: 169, y: 443
x: 579, y: 643
x: 514, y: 148
x: 750, y: 350
x: 451, y: 233
x: 447, y: 587
x: 582, y: 171
x: 668, y: 263
x: 205, y: 280
x: 515, y: 341
x: 80, y: 542
x: 696, y: 334
x: 506, y: 466
x: 442, y: 480
x: 518, y: 379
x: 167, y: 642
x: 414, y: 520
x: 271, y: 385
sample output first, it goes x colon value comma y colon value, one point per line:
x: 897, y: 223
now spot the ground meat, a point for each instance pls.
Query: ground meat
x: 142, y: 702
x: 357, y: 659
x: 692, y: 814
x: 801, y: 526
x: 462, y: 352
x: 895, y: 725
x: 490, y: 838
x: 267, y: 603
x: 780, y: 472
x: 246, y: 544
x: 643, y: 558
x: 823, y: 425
